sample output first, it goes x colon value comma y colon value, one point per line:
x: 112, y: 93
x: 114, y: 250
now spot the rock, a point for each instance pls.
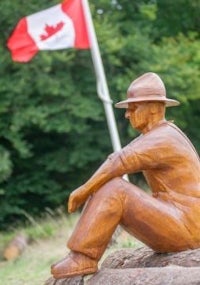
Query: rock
x: 142, y: 267
x: 68, y: 281
x: 146, y: 257
x: 147, y: 276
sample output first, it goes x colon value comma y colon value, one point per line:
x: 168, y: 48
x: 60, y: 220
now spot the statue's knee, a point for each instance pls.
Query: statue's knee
x: 112, y: 187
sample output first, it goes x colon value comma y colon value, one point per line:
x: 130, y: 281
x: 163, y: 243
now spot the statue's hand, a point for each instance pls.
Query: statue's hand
x: 76, y: 199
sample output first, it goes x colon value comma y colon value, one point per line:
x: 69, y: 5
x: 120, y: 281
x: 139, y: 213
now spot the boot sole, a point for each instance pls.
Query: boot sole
x: 75, y: 273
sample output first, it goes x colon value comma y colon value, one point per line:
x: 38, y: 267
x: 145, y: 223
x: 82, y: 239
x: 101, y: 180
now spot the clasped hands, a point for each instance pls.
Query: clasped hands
x: 77, y: 198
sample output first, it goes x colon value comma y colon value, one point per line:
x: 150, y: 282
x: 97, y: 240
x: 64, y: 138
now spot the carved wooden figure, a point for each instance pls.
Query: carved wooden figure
x: 166, y: 221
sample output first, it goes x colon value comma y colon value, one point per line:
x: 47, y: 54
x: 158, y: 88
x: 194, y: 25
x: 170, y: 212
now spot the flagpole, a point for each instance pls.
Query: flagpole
x: 102, y: 88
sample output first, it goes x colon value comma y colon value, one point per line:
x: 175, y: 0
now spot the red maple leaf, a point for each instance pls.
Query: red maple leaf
x: 51, y: 30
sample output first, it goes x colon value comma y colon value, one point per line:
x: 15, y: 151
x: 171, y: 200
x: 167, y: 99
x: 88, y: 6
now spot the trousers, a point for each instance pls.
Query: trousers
x: 158, y: 224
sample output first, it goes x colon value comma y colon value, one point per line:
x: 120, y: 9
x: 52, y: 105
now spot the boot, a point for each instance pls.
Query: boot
x: 74, y: 264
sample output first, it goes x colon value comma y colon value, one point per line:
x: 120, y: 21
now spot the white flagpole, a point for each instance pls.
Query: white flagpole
x: 102, y: 88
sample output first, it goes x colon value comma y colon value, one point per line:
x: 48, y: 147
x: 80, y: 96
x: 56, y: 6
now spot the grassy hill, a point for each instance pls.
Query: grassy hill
x: 47, y: 245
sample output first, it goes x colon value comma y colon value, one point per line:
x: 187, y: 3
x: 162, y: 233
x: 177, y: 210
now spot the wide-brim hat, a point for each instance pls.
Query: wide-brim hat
x: 148, y: 87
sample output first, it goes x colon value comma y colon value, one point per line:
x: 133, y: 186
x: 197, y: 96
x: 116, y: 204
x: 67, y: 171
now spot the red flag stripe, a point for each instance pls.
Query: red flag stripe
x: 22, y: 45
x: 74, y: 9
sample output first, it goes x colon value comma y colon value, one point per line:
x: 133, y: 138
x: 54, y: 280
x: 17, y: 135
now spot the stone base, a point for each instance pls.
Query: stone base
x: 142, y: 267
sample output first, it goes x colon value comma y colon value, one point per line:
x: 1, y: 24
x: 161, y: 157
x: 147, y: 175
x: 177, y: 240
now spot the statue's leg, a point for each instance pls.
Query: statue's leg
x: 99, y: 219
x: 157, y: 223
x: 96, y: 225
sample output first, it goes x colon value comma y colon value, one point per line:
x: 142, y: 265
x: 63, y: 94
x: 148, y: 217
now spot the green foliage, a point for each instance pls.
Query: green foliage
x: 5, y: 164
x: 53, y: 131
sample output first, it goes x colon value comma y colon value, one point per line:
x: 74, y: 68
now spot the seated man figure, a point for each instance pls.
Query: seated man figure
x: 166, y: 221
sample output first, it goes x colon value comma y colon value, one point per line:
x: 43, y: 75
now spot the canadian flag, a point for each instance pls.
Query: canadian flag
x: 59, y: 27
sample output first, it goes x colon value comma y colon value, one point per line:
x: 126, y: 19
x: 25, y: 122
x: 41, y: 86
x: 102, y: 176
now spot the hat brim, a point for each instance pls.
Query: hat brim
x: 168, y: 102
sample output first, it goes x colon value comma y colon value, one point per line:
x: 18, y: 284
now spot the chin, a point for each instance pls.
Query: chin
x: 138, y: 127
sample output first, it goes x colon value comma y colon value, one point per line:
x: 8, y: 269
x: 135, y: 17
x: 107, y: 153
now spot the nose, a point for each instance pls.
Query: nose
x: 127, y: 114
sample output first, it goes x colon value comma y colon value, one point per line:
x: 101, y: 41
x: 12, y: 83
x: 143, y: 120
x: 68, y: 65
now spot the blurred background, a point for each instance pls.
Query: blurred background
x: 53, y: 130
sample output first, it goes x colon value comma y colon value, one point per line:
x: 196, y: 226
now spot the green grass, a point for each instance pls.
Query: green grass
x: 48, y: 245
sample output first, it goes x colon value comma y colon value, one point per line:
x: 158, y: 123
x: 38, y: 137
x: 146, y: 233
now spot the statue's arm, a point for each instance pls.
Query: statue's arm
x: 112, y: 167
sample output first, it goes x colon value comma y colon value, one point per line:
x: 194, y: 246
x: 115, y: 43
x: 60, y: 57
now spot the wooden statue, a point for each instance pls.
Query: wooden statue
x: 166, y: 221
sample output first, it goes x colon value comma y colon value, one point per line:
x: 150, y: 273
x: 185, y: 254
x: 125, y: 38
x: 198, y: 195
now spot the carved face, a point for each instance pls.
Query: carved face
x: 138, y: 114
